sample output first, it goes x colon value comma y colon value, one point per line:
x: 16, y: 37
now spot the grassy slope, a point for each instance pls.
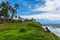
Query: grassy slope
x: 25, y: 31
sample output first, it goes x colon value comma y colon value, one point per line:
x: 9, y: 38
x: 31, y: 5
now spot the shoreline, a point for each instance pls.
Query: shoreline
x: 56, y: 31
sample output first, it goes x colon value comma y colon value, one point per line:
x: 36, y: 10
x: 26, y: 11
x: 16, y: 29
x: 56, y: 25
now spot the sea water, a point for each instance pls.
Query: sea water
x: 55, y: 30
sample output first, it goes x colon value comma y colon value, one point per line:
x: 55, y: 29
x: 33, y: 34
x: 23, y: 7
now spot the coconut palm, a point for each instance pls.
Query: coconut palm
x: 5, y: 8
x: 7, y: 11
x: 14, y: 10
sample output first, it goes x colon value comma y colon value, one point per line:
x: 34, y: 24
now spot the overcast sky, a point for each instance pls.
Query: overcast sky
x: 44, y: 11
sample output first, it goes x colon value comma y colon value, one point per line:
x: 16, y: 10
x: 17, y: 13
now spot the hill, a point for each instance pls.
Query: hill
x: 25, y: 31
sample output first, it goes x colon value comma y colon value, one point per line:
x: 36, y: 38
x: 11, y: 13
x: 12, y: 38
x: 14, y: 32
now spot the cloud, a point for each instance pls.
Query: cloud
x: 47, y: 16
x: 51, y: 9
x: 50, y: 6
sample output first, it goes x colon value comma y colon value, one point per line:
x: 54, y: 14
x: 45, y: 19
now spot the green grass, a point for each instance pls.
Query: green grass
x: 25, y: 31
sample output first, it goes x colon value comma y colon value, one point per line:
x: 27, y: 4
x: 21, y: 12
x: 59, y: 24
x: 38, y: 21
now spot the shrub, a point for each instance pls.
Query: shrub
x: 22, y: 30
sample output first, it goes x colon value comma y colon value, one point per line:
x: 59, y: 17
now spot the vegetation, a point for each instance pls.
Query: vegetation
x: 21, y: 29
x: 7, y: 11
x: 25, y: 31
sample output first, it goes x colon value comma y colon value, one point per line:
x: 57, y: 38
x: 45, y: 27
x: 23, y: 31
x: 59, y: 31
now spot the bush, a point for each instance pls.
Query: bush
x: 22, y: 30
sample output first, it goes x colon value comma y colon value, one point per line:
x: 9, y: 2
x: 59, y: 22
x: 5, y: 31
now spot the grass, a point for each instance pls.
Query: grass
x: 25, y: 31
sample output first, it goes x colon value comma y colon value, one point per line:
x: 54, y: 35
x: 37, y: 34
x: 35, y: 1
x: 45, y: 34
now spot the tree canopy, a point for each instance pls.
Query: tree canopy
x: 7, y: 10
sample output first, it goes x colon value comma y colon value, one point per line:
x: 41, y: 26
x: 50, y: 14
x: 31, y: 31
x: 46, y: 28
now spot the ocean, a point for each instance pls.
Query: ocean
x: 54, y: 28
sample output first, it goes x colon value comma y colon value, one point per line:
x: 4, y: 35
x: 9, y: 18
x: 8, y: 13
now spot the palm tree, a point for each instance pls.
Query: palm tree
x: 6, y: 10
x: 14, y: 10
x: 4, y: 6
x: 16, y: 6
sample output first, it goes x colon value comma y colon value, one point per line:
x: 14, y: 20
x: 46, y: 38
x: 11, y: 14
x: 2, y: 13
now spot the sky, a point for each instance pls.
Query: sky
x: 44, y: 11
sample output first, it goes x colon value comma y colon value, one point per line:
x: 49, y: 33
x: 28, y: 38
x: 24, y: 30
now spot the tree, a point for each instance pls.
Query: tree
x: 6, y: 10
x: 33, y: 19
x: 19, y: 17
x: 4, y: 6
x: 14, y: 10
x: 16, y: 6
